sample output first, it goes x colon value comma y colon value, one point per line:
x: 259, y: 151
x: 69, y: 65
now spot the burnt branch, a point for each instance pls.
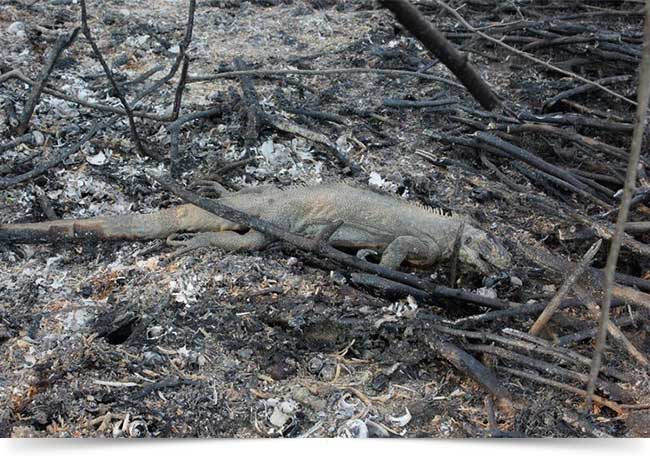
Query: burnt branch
x: 443, y: 49
x: 63, y: 42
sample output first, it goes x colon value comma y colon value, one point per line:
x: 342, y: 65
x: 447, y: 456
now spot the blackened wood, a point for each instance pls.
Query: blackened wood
x: 61, y: 44
x: 443, y: 49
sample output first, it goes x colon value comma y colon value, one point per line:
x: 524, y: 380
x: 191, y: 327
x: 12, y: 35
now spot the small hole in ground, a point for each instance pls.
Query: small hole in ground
x: 119, y: 335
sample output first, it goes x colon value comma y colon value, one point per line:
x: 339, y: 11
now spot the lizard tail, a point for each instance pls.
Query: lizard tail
x: 149, y: 226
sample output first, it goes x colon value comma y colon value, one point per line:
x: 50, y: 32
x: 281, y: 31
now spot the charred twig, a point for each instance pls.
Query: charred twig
x: 596, y: 277
x: 254, y: 116
x: 97, y: 106
x: 564, y: 387
x: 318, y: 115
x: 630, y: 183
x: 387, y: 287
x: 566, y: 134
x: 434, y: 41
x: 564, y: 354
x: 591, y: 332
x: 562, y: 96
x: 552, y: 306
x: 519, y: 153
x: 399, y: 103
x: 637, y: 227
x: 145, y: 76
x: 642, y: 196
x: 520, y: 311
x: 118, y: 92
x: 546, y: 180
x: 601, y: 229
x: 502, y: 176
x: 324, y: 72
x: 44, y: 166
x: 60, y: 45
x: 621, y: 294
x: 529, y: 343
x: 613, y: 329
x: 178, y: 96
x: 572, y: 119
x: 466, y: 363
x: 174, y: 136
x: 549, y: 368
x: 585, y: 110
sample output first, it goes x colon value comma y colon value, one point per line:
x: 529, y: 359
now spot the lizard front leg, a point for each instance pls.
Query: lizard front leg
x: 406, y: 248
x: 226, y: 240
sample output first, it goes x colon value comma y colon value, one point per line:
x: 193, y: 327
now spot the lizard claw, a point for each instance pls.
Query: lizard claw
x: 210, y: 188
x: 364, y: 253
x: 187, y: 244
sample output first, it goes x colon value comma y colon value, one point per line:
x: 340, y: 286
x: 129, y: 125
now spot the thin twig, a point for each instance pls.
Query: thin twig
x: 118, y: 92
x: 468, y: 364
x: 178, y: 96
x: 174, y: 136
x: 616, y: 407
x: 324, y: 72
x: 60, y: 45
x: 552, y: 306
x: 548, y: 368
x: 630, y: 182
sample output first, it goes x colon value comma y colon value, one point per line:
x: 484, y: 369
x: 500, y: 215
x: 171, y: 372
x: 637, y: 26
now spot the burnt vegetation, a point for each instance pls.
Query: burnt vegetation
x: 525, y: 117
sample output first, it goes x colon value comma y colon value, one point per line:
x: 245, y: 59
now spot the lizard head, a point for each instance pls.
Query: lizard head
x: 481, y: 251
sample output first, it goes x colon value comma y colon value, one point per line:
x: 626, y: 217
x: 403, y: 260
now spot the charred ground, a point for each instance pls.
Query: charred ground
x: 110, y: 339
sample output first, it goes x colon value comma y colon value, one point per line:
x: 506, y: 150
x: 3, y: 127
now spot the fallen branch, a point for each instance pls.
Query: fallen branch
x: 579, y: 336
x: 443, y: 49
x: 584, y: 88
x: 466, y: 363
x: 552, y: 306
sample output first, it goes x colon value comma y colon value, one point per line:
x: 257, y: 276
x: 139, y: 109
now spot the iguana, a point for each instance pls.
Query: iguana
x: 401, y: 232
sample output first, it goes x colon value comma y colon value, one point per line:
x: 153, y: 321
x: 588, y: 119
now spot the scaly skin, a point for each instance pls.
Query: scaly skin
x: 401, y: 232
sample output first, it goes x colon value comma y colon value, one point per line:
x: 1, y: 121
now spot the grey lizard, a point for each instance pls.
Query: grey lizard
x: 399, y: 231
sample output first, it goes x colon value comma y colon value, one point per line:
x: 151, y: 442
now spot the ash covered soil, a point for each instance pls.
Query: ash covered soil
x: 108, y: 339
